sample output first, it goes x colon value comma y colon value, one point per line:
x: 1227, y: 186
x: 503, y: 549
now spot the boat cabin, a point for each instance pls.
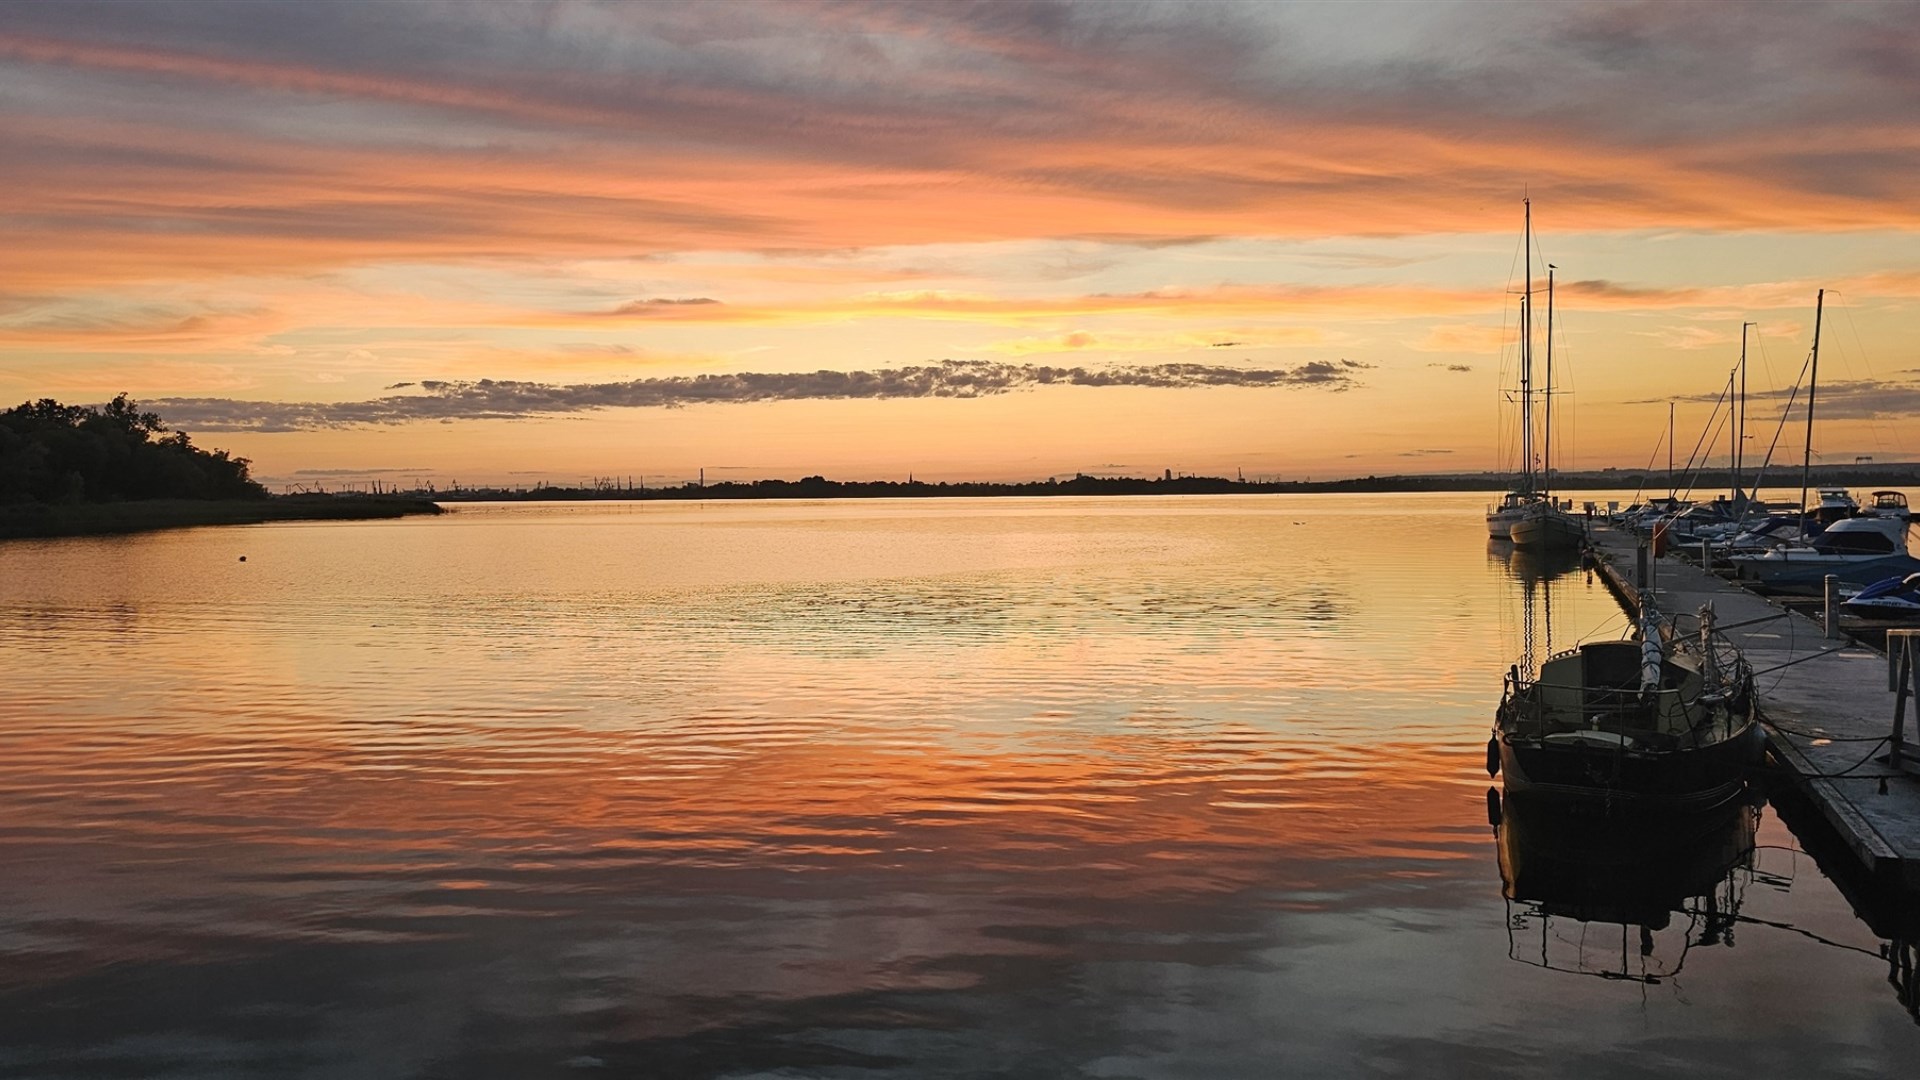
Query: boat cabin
x: 1863, y: 536
x: 1594, y: 692
x: 1834, y: 504
x: 1890, y: 504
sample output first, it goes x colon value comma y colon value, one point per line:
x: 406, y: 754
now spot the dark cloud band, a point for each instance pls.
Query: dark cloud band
x: 493, y: 399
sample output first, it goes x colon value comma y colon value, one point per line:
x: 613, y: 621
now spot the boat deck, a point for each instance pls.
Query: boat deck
x: 1825, y: 704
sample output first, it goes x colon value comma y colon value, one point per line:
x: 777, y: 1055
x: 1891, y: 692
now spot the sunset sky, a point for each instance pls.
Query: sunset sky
x: 962, y: 240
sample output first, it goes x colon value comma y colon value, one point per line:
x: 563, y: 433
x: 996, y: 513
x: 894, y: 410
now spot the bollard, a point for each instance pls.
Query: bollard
x: 1640, y: 567
x: 1830, y: 611
x: 1901, y: 646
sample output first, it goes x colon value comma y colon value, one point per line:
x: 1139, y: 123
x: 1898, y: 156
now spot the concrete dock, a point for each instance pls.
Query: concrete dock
x: 1825, y: 703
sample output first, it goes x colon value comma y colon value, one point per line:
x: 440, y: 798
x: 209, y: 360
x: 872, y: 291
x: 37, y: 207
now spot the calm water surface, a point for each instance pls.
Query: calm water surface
x: 1067, y: 787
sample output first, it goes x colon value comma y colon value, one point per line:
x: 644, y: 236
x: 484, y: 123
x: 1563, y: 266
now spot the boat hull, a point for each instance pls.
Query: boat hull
x: 1792, y: 571
x: 1500, y: 523
x: 1611, y: 779
x: 1547, y: 530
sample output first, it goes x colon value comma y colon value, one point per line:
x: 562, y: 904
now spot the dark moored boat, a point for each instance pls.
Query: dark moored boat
x: 1660, y: 724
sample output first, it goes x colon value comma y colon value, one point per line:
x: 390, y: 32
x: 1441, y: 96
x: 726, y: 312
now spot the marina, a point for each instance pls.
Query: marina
x: 1825, y: 702
x: 945, y: 788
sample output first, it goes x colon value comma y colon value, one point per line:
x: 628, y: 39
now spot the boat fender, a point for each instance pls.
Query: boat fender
x: 1493, y: 807
x: 1493, y: 756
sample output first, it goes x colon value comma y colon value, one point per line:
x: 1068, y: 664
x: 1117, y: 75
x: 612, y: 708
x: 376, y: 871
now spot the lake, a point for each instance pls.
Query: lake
x: 1147, y: 787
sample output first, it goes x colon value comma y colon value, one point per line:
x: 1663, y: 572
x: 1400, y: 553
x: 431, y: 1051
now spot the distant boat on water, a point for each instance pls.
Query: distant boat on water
x: 1522, y: 497
x: 1529, y: 515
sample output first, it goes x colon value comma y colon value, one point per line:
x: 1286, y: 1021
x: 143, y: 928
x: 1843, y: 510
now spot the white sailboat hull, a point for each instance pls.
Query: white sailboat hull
x: 1500, y: 523
x: 1547, y: 529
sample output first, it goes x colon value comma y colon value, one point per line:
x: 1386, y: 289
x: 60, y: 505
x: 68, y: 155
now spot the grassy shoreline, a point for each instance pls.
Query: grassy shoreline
x: 36, y: 520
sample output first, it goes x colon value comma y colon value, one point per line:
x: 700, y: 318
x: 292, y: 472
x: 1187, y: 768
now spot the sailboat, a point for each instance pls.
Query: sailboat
x: 1541, y: 523
x: 1857, y: 549
x: 1652, y: 726
x: 1515, y: 504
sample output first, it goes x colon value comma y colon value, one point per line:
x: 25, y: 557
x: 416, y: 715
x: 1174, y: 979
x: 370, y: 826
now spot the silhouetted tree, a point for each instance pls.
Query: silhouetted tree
x: 50, y: 452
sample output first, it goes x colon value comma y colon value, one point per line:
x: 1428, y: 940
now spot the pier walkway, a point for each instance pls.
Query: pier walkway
x: 1825, y: 703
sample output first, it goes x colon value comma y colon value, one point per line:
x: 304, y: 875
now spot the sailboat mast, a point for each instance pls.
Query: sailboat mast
x: 1526, y: 358
x: 1813, y: 385
x: 1733, y: 429
x: 1546, y: 466
x: 1671, y: 489
x: 1740, y: 419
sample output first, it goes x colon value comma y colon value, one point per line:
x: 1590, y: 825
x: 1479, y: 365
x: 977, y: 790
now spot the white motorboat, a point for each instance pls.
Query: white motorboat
x: 1888, y: 504
x: 1845, y: 548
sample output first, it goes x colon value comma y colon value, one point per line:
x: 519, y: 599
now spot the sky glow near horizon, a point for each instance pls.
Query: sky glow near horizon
x: 264, y: 218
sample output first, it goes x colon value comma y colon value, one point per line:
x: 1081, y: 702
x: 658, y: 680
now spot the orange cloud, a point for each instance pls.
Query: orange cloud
x: 1464, y: 338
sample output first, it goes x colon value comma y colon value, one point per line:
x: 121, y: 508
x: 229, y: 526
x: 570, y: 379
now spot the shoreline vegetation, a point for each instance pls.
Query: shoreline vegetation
x: 73, y: 470
x: 819, y: 487
x: 78, y: 470
x: 39, y: 520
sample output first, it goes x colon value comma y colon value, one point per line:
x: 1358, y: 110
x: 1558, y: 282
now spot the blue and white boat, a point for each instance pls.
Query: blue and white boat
x: 1858, y: 550
x: 1891, y: 598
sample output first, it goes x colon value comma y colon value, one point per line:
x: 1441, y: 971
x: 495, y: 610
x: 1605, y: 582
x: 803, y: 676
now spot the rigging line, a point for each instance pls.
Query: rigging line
x: 1781, y: 427
x: 1792, y: 929
x: 1810, y: 656
x: 1817, y: 736
x: 1702, y: 440
x: 1694, y: 479
x: 1793, y: 642
x: 1766, y: 362
x: 1753, y: 622
x: 1866, y: 361
x: 1651, y: 458
x: 1507, y: 452
x: 1848, y: 774
x: 1589, y: 635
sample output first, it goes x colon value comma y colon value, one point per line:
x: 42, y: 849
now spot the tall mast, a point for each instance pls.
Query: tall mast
x: 1671, y: 489
x: 1546, y: 468
x: 1526, y: 359
x: 1733, y: 429
x: 1813, y: 385
x: 1740, y: 420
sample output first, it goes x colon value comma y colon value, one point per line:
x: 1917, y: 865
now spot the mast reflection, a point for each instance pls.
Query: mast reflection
x: 1532, y: 566
x: 1596, y: 898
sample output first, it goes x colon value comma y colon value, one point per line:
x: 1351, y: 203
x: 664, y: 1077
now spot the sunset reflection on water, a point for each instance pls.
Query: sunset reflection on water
x: 1034, y: 787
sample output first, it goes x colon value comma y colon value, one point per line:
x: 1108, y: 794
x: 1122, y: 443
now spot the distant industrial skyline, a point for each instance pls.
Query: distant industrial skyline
x: 994, y: 242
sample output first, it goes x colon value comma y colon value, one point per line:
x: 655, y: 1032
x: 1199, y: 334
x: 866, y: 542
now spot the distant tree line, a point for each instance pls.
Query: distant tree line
x: 54, y: 453
x: 819, y: 487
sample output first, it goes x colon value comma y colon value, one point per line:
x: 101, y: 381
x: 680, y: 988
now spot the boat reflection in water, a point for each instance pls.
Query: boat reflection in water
x: 1533, y: 565
x: 1604, y: 899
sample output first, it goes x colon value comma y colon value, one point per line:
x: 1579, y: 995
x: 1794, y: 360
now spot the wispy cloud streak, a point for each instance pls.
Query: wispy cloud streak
x: 492, y: 399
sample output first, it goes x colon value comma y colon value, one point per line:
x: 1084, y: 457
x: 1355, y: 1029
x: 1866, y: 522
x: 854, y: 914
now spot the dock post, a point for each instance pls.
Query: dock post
x: 1706, y: 556
x: 1640, y: 567
x: 1830, y: 611
x: 1900, y: 654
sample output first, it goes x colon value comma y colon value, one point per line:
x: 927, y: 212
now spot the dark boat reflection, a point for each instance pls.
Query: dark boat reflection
x: 1532, y: 565
x: 1596, y: 898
